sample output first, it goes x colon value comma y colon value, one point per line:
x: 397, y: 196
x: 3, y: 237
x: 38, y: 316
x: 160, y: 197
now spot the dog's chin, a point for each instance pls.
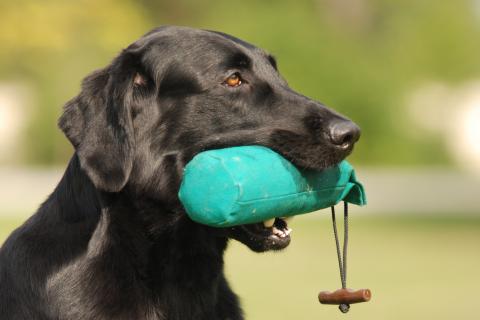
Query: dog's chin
x: 260, y: 238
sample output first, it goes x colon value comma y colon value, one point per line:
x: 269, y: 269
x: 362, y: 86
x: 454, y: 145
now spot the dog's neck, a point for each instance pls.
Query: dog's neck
x: 163, y: 243
x: 140, y: 247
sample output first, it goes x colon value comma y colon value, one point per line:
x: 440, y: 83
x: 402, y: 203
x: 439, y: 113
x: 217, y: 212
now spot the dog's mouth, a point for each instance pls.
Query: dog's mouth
x: 273, y: 234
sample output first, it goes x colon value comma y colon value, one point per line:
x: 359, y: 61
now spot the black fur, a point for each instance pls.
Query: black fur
x: 112, y: 241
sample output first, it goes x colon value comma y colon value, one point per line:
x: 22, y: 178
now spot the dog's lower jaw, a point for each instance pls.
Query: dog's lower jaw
x: 258, y: 238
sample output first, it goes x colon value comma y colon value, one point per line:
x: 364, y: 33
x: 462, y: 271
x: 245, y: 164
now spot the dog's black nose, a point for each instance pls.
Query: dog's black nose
x: 343, y: 133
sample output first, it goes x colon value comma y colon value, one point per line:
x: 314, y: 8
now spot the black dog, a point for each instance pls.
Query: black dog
x: 112, y: 241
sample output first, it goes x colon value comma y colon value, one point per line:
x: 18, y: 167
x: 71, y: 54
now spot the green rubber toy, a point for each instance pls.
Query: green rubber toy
x: 250, y: 184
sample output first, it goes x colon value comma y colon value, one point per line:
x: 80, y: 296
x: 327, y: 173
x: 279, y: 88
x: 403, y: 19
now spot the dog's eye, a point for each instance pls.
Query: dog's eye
x: 234, y: 80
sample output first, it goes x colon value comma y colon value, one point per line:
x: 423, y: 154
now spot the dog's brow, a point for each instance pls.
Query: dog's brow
x: 272, y: 61
x: 239, y: 60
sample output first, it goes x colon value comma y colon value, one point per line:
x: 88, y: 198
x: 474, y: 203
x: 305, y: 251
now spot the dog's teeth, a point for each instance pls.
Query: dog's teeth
x: 269, y: 223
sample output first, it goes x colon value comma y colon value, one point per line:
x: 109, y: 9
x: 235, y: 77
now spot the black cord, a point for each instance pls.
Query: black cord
x: 345, y: 243
x: 337, y: 243
x: 342, y: 263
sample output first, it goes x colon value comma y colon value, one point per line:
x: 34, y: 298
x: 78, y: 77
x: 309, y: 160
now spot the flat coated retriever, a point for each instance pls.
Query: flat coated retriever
x: 113, y: 241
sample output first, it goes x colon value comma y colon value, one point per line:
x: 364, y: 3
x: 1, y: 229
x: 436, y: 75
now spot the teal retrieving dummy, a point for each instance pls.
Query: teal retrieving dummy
x: 250, y: 184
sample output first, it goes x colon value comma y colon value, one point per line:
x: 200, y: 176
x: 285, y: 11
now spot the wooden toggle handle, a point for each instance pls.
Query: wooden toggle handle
x: 344, y: 296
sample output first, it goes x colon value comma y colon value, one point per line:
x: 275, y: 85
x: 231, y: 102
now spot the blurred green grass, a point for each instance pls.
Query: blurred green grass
x: 416, y: 267
x: 362, y: 58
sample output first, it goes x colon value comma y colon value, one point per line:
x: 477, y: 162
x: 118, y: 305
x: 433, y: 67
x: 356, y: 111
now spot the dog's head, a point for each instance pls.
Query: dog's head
x: 178, y: 91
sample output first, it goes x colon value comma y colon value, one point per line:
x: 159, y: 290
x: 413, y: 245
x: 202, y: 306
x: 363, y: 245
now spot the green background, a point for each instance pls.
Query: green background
x: 362, y: 58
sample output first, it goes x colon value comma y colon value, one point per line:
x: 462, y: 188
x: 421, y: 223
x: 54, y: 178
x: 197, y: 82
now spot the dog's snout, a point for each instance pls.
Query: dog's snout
x: 343, y: 133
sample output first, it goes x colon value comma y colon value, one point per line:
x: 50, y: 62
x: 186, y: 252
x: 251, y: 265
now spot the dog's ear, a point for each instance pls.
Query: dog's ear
x: 98, y: 122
